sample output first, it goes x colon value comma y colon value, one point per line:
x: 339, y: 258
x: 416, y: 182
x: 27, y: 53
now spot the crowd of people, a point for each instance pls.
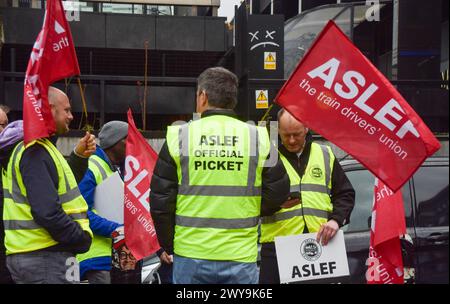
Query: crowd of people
x: 213, y: 196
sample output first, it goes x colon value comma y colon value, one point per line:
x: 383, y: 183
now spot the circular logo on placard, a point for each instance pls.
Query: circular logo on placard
x: 310, y: 249
x: 316, y: 172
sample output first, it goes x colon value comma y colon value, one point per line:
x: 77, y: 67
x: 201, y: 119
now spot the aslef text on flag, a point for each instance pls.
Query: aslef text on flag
x: 336, y: 91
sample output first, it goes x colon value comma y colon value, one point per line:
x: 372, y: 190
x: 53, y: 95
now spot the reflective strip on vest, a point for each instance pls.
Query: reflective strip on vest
x: 199, y: 222
x: 100, y: 168
x: 326, y: 161
x: 293, y: 213
x: 31, y: 224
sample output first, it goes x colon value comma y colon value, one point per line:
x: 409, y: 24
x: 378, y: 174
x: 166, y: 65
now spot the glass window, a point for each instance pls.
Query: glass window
x: 138, y: 9
x: 164, y: 10
x: 117, y: 8
x: 363, y: 183
x: 431, y: 185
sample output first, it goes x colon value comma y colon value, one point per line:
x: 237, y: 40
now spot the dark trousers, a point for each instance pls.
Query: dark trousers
x: 98, y: 277
x: 44, y: 267
x: 268, y: 271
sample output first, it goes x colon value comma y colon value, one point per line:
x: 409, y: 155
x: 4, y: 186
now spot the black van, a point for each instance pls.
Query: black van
x: 425, y: 247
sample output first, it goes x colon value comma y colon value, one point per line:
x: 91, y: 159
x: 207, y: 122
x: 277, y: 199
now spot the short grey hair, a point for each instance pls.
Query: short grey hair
x: 221, y: 87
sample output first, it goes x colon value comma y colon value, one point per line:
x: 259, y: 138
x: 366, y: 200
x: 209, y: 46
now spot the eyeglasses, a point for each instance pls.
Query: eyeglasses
x: 124, y: 256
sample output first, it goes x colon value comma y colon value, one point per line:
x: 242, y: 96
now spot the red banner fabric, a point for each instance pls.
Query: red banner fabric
x: 140, y: 235
x: 52, y: 58
x: 336, y: 91
x: 385, y: 263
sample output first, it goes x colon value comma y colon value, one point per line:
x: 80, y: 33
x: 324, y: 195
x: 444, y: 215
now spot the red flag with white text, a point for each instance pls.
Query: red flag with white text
x: 385, y: 263
x: 52, y: 58
x: 336, y: 91
x: 140, y: 235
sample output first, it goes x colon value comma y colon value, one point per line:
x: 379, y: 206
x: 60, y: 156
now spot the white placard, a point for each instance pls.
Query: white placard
x: 108, y: 198
x: 302, y: 258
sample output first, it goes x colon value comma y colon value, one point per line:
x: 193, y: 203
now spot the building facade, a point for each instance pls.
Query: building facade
x: 128, y: 52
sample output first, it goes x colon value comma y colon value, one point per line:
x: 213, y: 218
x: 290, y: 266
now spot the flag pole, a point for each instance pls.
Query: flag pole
x: 84, y: 103
x: 264, y: 117
x: 144, y: 106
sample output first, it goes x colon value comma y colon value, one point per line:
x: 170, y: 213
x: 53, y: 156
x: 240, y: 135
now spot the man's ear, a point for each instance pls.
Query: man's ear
x: 204, y: 99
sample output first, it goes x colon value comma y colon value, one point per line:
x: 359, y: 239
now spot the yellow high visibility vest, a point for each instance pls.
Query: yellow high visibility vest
x: 22, y: 233
x: 316, y: 206
x: 219, y: 163
x: 101, y: 246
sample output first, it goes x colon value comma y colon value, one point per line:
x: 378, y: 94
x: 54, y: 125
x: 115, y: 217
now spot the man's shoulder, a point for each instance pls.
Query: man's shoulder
x: 34, y: 154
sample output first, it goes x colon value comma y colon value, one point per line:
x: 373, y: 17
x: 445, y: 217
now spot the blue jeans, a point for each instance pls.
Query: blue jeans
x: 195, y: 271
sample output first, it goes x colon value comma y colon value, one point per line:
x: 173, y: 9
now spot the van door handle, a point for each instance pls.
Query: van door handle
x: 437, y: 238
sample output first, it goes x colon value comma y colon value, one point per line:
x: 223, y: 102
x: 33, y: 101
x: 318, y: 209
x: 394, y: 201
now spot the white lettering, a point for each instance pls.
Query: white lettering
x: 361, y: 101
x: 348, y: 81
x: 130, y: 163
x: 332, y: 65
x: 388, y: 109
x: 132, y: 185
x: 407, y: 127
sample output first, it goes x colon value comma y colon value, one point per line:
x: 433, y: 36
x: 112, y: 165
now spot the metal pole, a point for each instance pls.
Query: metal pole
x: 271, y: 7
x: 102, y: 102
x: 144, y: 106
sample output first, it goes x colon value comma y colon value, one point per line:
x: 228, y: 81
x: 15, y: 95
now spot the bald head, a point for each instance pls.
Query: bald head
x: 55, y: 95
x: 292, y: 132
x: 61, y: 110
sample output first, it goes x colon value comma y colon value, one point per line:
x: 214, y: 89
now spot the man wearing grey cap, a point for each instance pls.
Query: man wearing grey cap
x: 95, y: 265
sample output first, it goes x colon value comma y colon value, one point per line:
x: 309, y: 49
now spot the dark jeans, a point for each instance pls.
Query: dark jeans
x: 44, y: 267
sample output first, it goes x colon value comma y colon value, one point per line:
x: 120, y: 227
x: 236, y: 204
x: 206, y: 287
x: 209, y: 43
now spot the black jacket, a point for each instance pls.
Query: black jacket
x: 40, y: 178
x: 164, y: 189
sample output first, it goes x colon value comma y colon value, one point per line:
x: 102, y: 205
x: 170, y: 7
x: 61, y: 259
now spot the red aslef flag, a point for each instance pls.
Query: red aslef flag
x: 52, y: 58
x: 385, y: 263
x: 336, y: 91
x: 140, y: 234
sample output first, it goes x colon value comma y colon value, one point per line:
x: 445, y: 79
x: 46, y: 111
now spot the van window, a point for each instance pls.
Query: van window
x: 363, y: 183
x: 431, y: 185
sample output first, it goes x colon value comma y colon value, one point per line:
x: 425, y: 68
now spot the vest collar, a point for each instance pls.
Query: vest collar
x: 225, y: 112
